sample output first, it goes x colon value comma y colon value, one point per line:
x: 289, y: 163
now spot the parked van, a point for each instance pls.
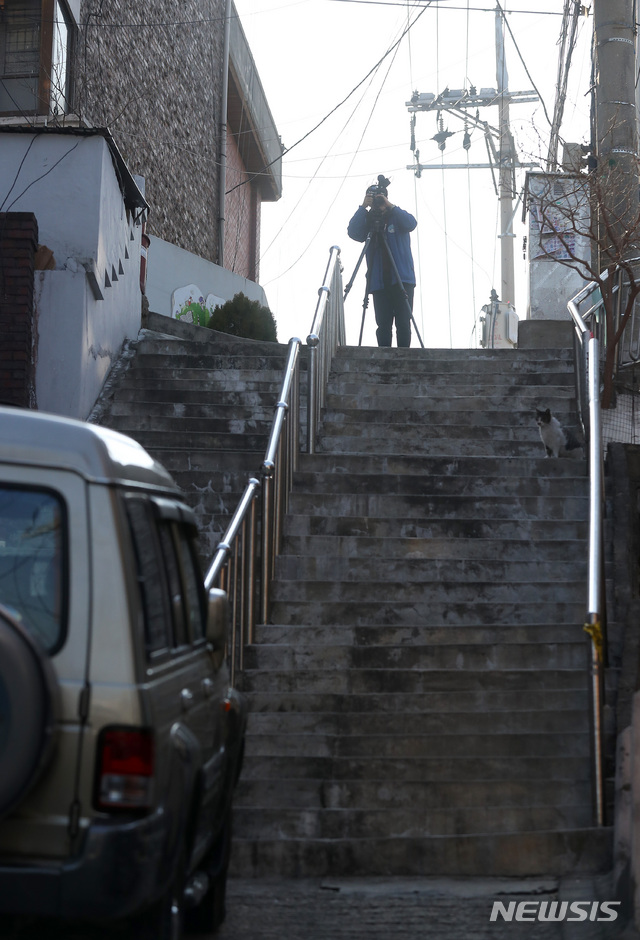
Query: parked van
x: 120, y: 740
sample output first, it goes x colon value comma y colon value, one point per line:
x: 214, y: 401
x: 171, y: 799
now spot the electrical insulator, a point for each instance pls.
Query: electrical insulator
x: 441, y: 137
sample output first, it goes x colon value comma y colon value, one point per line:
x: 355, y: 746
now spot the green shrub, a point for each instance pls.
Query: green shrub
x: 244, y: 317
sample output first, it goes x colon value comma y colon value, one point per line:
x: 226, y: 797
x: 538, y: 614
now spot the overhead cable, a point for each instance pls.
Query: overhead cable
x: 339, y: 105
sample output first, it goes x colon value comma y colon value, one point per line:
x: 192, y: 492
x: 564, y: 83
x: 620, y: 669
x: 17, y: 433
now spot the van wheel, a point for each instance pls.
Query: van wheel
x: 209, y: 915
x: 28, y: 706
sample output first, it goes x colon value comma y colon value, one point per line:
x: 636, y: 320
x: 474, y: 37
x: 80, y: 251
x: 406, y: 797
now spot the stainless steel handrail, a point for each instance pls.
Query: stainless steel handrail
x: 242, y: 560
x: 278, y: 467
x: 233, y: 569
x: 235, y: 563
x: 588, y: 367
x: 327, y: 333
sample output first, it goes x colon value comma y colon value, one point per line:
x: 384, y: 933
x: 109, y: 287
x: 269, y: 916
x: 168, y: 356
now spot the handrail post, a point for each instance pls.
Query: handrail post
x: 594, y: 626
x: 251, y: 569
x: 312, y: 397
x: 267, y: 518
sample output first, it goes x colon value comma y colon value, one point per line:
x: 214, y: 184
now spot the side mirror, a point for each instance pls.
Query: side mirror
x: 218, y: 625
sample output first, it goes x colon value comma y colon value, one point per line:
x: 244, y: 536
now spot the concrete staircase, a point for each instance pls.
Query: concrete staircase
x: 419, y: 700
x: 202, y: 403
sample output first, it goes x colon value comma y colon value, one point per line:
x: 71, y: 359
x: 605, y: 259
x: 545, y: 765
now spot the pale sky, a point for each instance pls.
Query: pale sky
x: 310, y: 54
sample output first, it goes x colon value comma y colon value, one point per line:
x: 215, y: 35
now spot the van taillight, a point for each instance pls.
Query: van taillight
x: 125, y: 769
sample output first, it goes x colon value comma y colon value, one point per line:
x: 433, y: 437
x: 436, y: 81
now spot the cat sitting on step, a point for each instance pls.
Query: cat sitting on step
x: 558, y: 442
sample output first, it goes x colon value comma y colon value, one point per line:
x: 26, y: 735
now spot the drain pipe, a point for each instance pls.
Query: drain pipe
x: 223, y: 132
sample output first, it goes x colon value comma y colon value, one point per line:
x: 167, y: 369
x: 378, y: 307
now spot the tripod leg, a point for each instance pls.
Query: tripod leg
x: 401, y: 285
x: 364, y: 313
x: 357, y: 267
x: 365, y: 302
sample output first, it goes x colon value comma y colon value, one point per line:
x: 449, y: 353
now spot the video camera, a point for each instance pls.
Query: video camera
x: 379, y: 189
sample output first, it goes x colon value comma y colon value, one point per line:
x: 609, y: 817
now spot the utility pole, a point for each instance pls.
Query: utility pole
x: 616, y: 132
x: 502, y: 158
x: 507, y: 176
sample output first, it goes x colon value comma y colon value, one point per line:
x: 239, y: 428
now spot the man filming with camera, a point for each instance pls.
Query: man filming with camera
x: 390, y: 272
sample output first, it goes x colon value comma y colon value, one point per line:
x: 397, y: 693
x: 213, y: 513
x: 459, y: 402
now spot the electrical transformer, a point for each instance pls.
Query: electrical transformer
x: 499, y: 325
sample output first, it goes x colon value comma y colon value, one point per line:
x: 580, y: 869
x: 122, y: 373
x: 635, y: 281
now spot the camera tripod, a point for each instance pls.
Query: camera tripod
x: 376, y: 237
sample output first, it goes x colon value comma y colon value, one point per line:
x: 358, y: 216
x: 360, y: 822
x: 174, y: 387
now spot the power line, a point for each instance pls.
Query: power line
x: 345, y: 175
x: 524, y: 64
x: 339, y: 105
x: 436, y: 3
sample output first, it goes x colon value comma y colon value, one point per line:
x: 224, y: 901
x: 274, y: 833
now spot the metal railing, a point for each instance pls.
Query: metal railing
x: 590, y: 300
x: 586, y: 312
x: 243, y: 564
x: 327, y: 333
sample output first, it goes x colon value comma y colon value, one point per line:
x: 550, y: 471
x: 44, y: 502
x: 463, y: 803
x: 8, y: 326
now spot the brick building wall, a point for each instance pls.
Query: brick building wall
x: 18, y: 246
x: 242, y: 217
x: 152, y: 73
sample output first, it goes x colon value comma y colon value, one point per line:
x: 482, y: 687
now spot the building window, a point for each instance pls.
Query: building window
x: 34, y: 57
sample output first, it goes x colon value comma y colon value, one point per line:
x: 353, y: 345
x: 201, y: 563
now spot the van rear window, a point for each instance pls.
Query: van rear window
x: 32, y: 556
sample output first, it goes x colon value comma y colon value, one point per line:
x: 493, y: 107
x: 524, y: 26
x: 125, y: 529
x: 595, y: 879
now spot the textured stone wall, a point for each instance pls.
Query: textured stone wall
x: 152, y: 73
x: 242, y: 216
x: 18, y: 245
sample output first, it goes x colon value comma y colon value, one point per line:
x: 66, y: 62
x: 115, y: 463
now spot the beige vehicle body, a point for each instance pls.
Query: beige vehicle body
x: 120, y: 740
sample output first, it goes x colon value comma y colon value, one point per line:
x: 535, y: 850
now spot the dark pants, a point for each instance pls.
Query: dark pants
x: 389, y: 305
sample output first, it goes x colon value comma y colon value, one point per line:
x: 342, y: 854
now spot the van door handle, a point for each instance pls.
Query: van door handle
x: 186, y: 699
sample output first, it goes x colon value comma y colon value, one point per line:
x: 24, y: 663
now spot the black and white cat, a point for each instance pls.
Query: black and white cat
x: 557, y: 441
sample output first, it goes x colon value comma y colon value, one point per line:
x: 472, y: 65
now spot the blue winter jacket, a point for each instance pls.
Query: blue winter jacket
x: 399, y: 224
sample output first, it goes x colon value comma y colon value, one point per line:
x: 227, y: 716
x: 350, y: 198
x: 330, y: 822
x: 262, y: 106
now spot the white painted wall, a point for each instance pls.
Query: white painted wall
x: 170, y: 268
x: 91, y: 303
x: 551, y: 283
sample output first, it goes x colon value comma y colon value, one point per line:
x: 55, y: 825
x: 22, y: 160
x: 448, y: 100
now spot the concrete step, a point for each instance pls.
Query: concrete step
x: 425, y: 417
x: 196, y: 410
x: 339, y: 568
x: 422, y: 508
x: 300, y: 636
x: 185, y: 460
x: 424, y: 446
x: 161, y: 328
x: 426, y: 771
x: 419, y: 821
x: 210, y: 399
x: 465, y: 381
x: 412, y: 681
x: 482, y: 487
x: 203, y: 380
x: 491, y: 358
x: 446, y: 362
x: 404, y: 743
x: 507, y: 854
x: 385, y: 793
x: 440, y: 550
x: 408, y: 527
x: 174, y: 355
x: 428, y: 611
x: 482, y: 467
x: 474, y: 657
x: 422, y: 395
x: 180, y: 425
x: 393, y: 354
x: 330, y: 724
x: 154, y: 440
x: 550, y: 700
x: 431, y: 431
x: 425, y: 592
